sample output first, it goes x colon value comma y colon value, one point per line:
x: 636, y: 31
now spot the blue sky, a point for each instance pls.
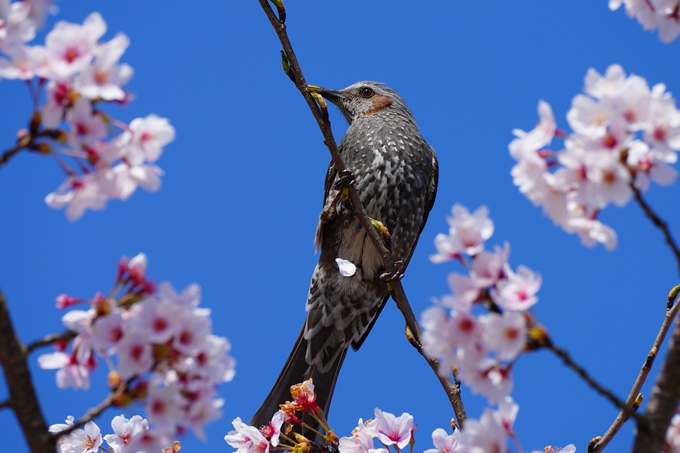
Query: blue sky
x: 244, y: 182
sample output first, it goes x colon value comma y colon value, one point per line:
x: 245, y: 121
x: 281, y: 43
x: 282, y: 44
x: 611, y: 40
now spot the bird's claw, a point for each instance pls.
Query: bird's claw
x: 346, y: 178
x: 391, y: 276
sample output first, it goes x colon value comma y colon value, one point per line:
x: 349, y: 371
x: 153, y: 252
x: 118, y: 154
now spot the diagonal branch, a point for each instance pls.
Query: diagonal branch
x: 623, y: 417
x: 89, y: 416
x: 664, y: 400
x: 22, y: 397
x: 50, y: 339
x: 608, y: 394
x: 658, y: 222
x: 397, y: 293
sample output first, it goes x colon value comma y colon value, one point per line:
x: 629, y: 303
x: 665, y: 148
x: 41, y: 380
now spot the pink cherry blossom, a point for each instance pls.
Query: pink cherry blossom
x: 504, y: 333
x: 445, y: 443
x: 467, y: 233
x: 484, y: 435
x: 146, y: 138
x: 85, y: 440
x: 518, y: 290
x: 393, y: 430
x: 537, y: 138
x: 78, y: 193
x: 71, y: 373
x: 104, y: 77
x: 360, y: 442
x: 71, y: 46
x: 134, y: 354
x: 488, y: 378
x: 124, y: 430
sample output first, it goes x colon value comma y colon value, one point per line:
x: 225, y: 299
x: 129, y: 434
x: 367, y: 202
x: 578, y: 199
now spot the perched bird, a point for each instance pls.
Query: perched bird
x: 395, y: 175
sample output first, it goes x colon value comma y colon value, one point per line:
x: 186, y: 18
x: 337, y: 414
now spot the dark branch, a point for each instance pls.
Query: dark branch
x: 623, y: 416
x: 22, y: 396
x: 658, y: 222
x: 397, y: 292
x: 89, y: 416
x: 50, y: 339
x: 663, y: 402
x: 568, y: 361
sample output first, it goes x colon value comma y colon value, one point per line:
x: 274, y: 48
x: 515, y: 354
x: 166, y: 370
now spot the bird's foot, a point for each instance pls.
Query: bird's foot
x: 345, y: 178
x: 398, y: 273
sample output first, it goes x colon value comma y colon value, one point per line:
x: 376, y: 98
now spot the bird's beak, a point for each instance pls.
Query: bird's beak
x: 333, y: 96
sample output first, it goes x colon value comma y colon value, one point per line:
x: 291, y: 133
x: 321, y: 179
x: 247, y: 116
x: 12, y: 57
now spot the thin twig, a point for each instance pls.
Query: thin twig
x: 6, y: 404
x: 623, y: 416
x: 22, y: 395
x: 89, y: 416
x: 658, y: 222
x: 50, y: 339
x: 22, y: 143
x: 397, y: 292
x: 568, y: 361
x: 663, y: 401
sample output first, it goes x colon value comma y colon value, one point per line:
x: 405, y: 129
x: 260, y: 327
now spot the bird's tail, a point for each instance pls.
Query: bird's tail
x: 295, y: 371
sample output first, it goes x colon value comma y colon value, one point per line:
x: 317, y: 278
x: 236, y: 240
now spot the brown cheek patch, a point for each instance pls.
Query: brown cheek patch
x: 379, y: 103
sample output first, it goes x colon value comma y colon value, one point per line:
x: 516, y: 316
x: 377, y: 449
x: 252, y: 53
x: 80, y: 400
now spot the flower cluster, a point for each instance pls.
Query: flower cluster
x: 80, y: 75
x: 162, y: 342
x: 625, y: 135
x: 484, y: 347
x: 490, y: 433
x: 129, y: 436
x: 653, y: 14
x: 252, y: 439
x: 387, y: 428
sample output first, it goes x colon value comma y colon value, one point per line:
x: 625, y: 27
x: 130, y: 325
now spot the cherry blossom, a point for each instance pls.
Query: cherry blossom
x: 124, y: 430
x: 85, y: 440
x: 445, y: 443
x: 467, y: 233
x: 623, y: 131
x: 652, y: 15
x: 484, y: 435
x: 393, y: 430
x: 104, y: 77
x: 504, y: 333
x: 518, y: 290
x: 361, y: 440
x: 158, y: 345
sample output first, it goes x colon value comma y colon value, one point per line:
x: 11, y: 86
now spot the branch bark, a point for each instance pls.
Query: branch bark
x: 398, y: 294
x: 663, y: 402
x: 22, y: 397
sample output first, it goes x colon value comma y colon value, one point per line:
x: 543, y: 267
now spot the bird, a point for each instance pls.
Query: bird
x: 395, y: 173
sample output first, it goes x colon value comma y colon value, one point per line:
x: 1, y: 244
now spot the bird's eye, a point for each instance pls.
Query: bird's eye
x: 366, y: 92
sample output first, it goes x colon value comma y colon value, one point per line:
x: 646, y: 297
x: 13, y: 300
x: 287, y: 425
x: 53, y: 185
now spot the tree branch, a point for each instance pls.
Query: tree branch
x: 608, y: 394
x: 663, y: 402
x: 49, y: 339
x: 295, y: 73
x: 22, y: 396
x: 89, y: 416
x: 623, y: 416
x: 658, y: 222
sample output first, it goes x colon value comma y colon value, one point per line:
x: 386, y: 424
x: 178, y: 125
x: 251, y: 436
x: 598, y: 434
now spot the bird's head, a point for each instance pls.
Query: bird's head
x: 365, y: 98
